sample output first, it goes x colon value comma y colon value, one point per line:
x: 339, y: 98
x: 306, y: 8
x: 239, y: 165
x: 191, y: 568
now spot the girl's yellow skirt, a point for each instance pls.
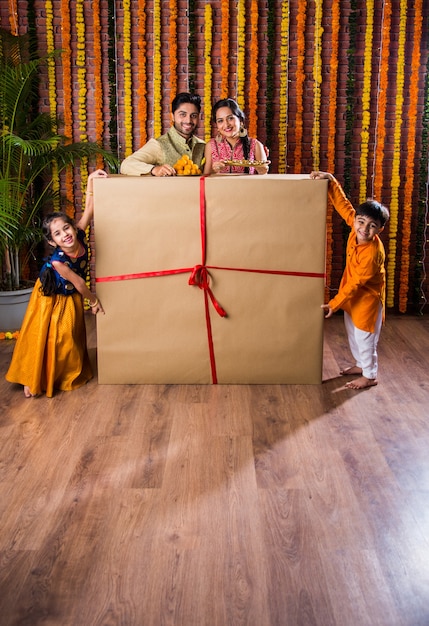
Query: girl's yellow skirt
x: 51, y: 351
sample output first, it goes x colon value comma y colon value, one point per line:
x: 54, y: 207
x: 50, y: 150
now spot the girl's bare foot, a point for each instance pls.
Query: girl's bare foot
x: 362, y: 383
x: 27, y: 392
x: 351, y: 371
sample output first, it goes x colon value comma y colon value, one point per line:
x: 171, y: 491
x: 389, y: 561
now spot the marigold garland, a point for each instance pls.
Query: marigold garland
x: 420, y: 275
x: 270, y: 89
x: 81, y: 80
x: 317, y: 83
x: 13, y: 17
x: 172, y: 47
x: 81, y: 68
x: 50, y: 47
x: 380, y: 135
x: 350, y: 103
x: 112, y: 76
x: 8, y: 335
x: 332, y: 131
x: 253, y: 79
x: 366, y: 100
x: 283, y: 92
x: 98, y: 85
x: 142, y: 76
x: 411, y: 150
x: 128, y: 104
x: 241, y: 52
x: 224, y: 50
x: 157, y: 121
x: 300, y: 77
x: 208, y: 39
x: 67, y: 97
x: 395, y: 178
x: 192, y: 53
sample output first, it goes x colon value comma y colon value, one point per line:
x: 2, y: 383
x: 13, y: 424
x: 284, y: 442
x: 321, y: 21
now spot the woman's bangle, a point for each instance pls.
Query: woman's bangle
x: 95, y: 303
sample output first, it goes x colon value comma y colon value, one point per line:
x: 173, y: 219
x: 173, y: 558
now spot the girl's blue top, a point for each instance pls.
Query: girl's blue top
x: 78, y: 265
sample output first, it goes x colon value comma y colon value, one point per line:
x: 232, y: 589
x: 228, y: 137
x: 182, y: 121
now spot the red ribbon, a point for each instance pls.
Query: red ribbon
x: 200, y: 277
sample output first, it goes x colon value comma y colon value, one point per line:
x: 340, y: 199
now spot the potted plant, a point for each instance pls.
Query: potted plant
x: 32, y: 156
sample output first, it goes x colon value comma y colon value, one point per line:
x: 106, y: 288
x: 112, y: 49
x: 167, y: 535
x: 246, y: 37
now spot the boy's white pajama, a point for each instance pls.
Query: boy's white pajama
x: 363, y: 344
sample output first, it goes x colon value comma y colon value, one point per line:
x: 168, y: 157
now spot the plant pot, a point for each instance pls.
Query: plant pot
x: 13, y: 305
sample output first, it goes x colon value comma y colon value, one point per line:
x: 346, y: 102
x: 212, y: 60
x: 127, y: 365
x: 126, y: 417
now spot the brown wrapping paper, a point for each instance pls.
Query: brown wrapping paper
x: 155, y: 328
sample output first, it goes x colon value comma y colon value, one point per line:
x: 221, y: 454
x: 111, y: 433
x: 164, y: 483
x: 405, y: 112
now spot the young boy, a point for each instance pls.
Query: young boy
x: 361, y: 294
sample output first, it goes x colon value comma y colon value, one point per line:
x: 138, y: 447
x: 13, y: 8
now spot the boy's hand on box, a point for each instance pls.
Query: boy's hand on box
x: 321, y: 175
x: 328, y: 311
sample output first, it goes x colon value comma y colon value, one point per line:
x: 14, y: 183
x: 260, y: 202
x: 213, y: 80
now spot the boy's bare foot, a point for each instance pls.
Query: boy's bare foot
x: 351, y: 371
x: 361, y: 383
x: 27, y: 392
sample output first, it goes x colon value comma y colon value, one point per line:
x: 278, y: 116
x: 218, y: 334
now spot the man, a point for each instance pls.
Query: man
x: 158, y: 156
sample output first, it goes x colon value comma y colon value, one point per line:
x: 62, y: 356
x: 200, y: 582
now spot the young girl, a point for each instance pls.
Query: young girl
x: 232, y: 143
x: 51, y: 352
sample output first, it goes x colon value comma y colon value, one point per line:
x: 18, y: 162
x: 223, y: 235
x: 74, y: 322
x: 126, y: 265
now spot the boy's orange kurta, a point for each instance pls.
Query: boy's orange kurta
x: 363, y: 284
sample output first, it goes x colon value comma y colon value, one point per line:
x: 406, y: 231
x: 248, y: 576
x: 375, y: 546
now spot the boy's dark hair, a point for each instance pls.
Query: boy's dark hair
x: 185, y: 97
x: 48, y: 219
x: 373, y: 209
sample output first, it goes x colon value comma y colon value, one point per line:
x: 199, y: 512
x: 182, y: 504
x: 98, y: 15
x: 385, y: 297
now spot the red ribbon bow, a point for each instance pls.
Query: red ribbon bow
x: 201, y: 278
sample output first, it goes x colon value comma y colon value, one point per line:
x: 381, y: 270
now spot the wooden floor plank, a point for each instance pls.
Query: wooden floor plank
x: 221, y: 505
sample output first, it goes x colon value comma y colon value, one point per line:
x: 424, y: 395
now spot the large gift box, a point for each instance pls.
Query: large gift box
x: 210, y: 280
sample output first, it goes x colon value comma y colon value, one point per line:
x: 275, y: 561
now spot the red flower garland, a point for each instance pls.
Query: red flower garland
x: 411, y: 150
x: 253, y: 87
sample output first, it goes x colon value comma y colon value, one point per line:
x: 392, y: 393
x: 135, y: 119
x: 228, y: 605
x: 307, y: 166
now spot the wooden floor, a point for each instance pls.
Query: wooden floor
x: 221, y: 505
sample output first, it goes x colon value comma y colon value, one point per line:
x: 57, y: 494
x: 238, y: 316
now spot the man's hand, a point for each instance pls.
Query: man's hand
x: 163, y: 170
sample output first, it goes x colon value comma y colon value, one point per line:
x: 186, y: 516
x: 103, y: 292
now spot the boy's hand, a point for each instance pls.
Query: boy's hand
x: 329, y: 311
x: 321, y: 175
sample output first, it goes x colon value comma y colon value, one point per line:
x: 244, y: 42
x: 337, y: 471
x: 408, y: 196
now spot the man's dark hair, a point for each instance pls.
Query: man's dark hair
x: 374, y: 210
x: 186, y: 97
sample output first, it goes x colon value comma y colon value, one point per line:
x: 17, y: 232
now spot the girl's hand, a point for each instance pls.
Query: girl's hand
x: 96, y: 307
x: 96, y: 174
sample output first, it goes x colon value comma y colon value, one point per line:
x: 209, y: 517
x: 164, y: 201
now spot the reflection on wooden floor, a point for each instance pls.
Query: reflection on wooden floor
x: 221, y: 505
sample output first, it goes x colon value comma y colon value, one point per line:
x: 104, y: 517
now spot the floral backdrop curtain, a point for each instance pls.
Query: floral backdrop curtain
x: 325, y: 84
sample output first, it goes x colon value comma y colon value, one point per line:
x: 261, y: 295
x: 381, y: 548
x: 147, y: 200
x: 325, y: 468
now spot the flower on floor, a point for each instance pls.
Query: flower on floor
x: 9, y: 335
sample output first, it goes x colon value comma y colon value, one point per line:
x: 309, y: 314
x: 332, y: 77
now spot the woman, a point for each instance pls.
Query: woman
x: 232, y: 150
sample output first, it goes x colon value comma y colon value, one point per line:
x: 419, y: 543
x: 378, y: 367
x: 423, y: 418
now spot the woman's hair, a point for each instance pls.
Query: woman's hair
x: 49, y: 218
x: 47, y: 275
x: 235, y: 109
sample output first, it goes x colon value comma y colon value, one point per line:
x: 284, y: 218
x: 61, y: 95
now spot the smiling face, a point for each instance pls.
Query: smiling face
x: 227, y: 124
x: 185, y: 119
x: 63, y: 235
x: 366, y: 228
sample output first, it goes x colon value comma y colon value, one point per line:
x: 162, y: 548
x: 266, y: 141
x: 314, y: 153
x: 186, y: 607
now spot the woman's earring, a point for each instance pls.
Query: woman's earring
x: 243, y: 131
